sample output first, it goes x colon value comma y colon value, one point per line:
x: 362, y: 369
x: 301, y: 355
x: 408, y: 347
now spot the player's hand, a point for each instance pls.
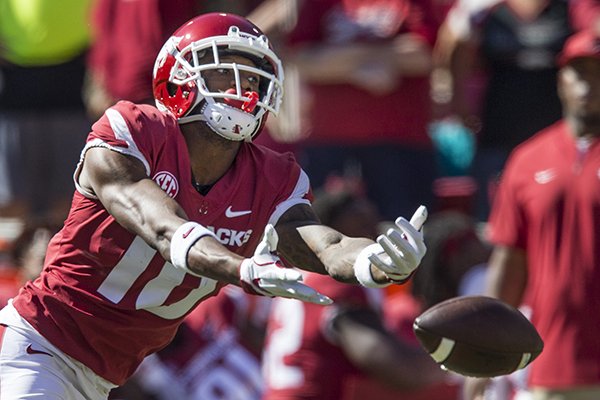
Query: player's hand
x: 402, y: 247
x: 264, y: 274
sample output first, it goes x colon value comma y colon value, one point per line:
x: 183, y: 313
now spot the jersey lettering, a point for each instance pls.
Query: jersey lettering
x: 231, y: 237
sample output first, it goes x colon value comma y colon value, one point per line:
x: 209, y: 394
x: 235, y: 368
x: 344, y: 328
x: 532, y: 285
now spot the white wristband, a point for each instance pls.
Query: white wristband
x: 362, y: 267
x: 183, y: 239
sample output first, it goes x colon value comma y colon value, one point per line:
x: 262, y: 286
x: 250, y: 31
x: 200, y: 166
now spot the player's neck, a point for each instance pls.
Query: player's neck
x: 528, y: 9
x: 211, y: 156
x: 580, y: 128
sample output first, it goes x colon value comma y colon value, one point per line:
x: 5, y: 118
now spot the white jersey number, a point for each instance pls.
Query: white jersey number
x: 288, y: 316
x: 152, y: 298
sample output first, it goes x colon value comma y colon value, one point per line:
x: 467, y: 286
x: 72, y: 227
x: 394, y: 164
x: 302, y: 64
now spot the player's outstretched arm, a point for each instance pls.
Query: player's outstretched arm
x: 138, y: 204
x: 372, y: 348
x: 308, y: 244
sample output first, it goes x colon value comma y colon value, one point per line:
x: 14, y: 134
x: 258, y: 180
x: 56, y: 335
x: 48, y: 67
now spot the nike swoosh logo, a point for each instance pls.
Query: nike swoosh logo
x: 185, y: 235
x: 30, y: 350
x: 229, y: 213
x: 545, y: 176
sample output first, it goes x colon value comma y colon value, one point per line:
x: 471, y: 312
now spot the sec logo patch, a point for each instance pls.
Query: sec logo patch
x: 167, y: 182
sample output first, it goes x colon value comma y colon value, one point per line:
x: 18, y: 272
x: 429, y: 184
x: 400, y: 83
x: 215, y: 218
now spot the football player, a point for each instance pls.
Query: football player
x: 170, y: 205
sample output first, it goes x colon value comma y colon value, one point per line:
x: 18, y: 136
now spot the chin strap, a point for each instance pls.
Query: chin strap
x: 226, y: 121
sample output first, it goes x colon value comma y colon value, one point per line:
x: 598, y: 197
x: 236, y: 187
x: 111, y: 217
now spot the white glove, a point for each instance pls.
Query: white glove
x: 402, y: 247
x: 264, y: 274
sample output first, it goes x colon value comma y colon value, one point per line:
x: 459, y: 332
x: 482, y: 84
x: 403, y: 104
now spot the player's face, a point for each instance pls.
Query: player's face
x: 222, y: 79
x: 579, y: 89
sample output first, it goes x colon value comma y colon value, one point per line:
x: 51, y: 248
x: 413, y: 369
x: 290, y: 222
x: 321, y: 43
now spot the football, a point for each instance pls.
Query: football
x: 478, y: 336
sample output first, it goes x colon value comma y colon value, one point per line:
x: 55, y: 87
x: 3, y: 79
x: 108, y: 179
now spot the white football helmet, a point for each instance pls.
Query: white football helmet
x: 179, y: 86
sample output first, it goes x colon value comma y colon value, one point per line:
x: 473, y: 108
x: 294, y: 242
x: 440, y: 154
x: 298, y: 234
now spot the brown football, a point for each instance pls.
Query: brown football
x: 478, y: 336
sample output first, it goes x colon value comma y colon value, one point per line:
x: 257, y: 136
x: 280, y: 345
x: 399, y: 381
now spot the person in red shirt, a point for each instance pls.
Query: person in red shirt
x: 364, y: 68
x: 127, y: 37
x: 545, y: 227
x: 170, y: 205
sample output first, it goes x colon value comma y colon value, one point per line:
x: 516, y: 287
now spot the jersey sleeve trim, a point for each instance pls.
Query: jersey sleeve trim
x: 101, y: 143
x: 122, y: 132
x: 297, y: 197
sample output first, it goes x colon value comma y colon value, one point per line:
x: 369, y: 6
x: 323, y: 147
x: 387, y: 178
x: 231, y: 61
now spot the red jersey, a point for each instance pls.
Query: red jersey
x: 108, y: 299
x: 549, y: 204
x: 301, y: 359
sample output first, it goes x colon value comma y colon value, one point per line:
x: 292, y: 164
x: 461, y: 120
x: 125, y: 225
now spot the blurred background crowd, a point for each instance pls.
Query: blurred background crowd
x: 388, y: 104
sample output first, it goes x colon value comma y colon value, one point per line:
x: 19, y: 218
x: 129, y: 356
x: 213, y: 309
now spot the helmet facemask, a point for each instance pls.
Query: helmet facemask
x: 234, y: 114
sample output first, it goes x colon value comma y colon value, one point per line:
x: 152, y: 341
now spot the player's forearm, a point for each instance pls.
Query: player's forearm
x: 333, y: 64
x: 507, y: 275
x: 324, y: 250
x: 339, y: 259
x: 382, y: 355
x: 309, y: 245
x: 147, y: 211
x: 399, y: 365
x: 209, y: 258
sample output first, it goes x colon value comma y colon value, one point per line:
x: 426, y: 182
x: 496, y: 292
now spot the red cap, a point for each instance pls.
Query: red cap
x: 581, y: 44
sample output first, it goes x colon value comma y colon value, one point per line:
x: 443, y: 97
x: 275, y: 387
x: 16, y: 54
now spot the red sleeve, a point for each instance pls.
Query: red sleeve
x: 137, y: 130
x: 127, y: 38
x: 585, y: 14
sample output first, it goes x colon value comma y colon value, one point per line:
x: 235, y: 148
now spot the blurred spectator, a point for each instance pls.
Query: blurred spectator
x: 322, y: 352
x: 11, y: 278
x: 342, y: 202
x: 586, y: 15
x: 545, y: 228
x: 453, y: 249
x: 365, y: 70
x: 503, y: 69
x: 127, y: 38
x: 42, y: 120
x: 275, y: 18
x: 215, y: 354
